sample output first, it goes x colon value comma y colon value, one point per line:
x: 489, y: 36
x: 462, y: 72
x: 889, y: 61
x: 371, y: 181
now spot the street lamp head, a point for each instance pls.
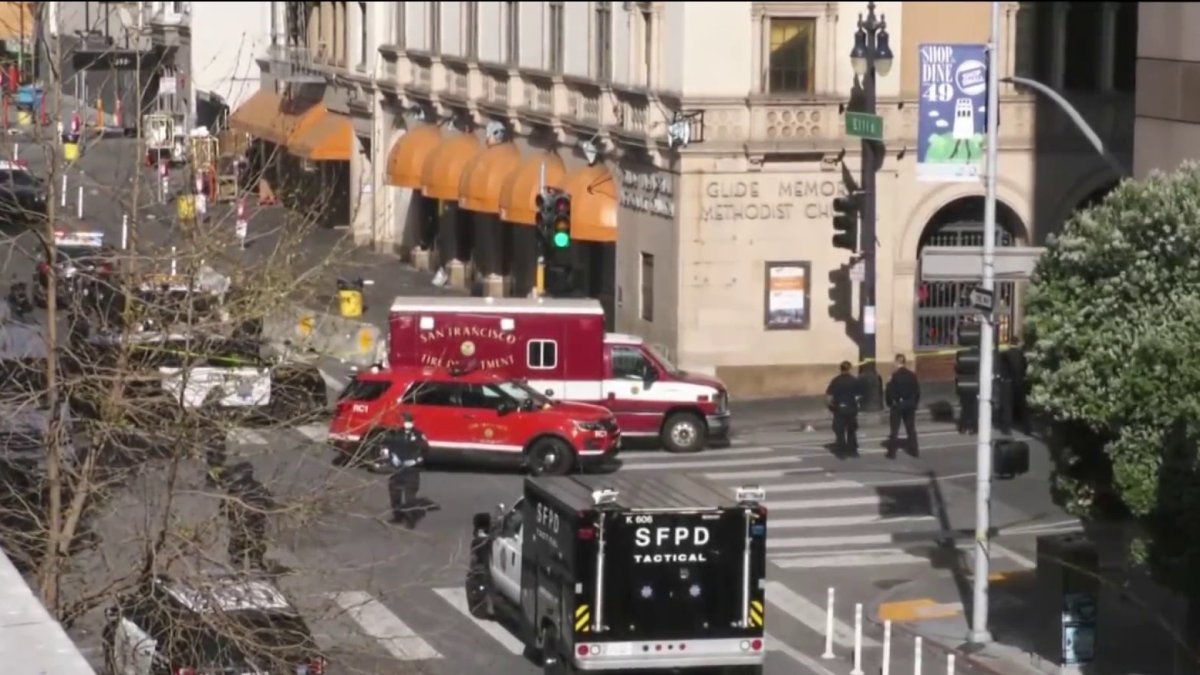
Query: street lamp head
x: 883, y: 53
x: 858, y: 55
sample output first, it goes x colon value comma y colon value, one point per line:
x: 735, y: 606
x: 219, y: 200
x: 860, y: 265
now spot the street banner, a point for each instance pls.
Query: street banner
x: 952, y: 114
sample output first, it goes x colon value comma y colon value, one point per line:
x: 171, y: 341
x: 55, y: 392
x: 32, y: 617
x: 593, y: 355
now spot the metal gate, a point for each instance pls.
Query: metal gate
x: 940, y: 304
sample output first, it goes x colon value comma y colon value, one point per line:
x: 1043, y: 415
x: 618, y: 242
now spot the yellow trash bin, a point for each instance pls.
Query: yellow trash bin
x: 350, y: 301
x: 70, y: 151
x: 25, y: 117
x: 185, y: 207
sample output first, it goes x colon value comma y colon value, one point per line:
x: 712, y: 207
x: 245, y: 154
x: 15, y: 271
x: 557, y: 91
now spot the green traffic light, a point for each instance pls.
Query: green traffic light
x: 561, y: 239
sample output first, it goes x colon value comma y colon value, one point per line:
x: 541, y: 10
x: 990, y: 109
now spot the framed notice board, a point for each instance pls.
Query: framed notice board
x: 786, y: 301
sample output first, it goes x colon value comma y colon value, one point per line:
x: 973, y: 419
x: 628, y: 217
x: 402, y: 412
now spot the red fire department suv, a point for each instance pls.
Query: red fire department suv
x: 477, y: 415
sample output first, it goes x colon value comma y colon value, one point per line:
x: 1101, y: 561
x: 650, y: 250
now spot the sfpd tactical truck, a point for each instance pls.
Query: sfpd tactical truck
x: 609, y: 573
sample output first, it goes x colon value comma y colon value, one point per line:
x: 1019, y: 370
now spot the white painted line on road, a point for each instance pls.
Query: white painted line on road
x: 713, y: 464
x: 814, y: 666
x: 812, y: 486
x: 317, y: 433
x: 801, y: 609
x: 842, y: 521
x: 1012, y: 555
x: 867, y: 559
x: 1068, y: 525
x: 378, y: 622
x: 919, y: 481
x: 457, y: 597
x: 807, y: 443
x: 832, y: 503
x: 814, y: 451
x: 760, y: 474
x: 830, y: 542
x: 632, y: 458
x: 243, y: 436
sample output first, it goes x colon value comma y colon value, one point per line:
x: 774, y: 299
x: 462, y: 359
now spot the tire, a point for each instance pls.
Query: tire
x: 553, y: 660
x: 684, y: 432
x: 550, y: 457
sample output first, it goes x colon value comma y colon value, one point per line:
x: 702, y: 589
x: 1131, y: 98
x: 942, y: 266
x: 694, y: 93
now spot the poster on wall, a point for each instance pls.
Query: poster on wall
x: 787, y: 295
x: 952, y: 114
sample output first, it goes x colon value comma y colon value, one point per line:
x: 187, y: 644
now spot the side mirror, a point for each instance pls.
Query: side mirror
x: 506, y: 408
x: 500, y: 507
x: 481, y: 522
x: 649, y: 377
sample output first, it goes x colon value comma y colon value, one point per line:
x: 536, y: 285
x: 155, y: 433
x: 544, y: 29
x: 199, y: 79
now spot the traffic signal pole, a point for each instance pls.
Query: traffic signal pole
x: 868, y: 373
x: 983, y: 450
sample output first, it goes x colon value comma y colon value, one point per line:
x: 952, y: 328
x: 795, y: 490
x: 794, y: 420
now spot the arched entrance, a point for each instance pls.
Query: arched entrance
x: 940, y: 304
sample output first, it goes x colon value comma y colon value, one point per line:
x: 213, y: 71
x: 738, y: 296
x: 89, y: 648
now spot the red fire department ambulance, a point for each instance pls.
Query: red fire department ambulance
x: 560, y: 348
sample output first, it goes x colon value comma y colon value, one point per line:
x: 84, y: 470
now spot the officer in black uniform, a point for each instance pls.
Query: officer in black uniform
x: 842, y: 397
x: 246, y: 510
x: 903, y: 395
x: 404, y: 451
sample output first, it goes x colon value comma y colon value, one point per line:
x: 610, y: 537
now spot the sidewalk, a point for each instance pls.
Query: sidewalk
x: 1021, y: 617
x: 939, y: 403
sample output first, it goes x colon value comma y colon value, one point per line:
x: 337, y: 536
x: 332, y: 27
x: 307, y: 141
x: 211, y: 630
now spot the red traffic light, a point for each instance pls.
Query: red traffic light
x: 562, y: 206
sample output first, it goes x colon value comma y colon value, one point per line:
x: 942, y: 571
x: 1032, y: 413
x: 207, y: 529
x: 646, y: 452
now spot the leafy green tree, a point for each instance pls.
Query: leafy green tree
x: 1114, y: 312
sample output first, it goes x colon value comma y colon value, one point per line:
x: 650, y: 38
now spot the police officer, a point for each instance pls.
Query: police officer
x: 903, y: 395
x: 842, y: 398
x: 1013, y: 368
x: 404, y: 451
x: 246, y: 510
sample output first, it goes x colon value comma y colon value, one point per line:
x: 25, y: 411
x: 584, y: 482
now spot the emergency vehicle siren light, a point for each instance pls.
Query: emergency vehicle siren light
x: 750, y: 494
x: 604, y: 496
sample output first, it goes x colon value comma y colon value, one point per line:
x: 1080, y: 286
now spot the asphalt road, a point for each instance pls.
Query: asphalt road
x: 382, y: 598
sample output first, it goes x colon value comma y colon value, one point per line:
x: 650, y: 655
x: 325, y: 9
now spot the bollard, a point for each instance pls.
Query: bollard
x: 828, y: 626
x: 63, y: 201
x: 857, y: 639
x: 917, y: 656
x: 125, y: 232
x: 173, y: 268
x: 886, y: 668
x: 949, y: 664
x: 79, y: 203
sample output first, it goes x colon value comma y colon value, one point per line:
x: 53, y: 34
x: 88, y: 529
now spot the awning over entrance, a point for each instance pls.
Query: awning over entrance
x: 258, y: 115
x: 520, y: 188
x: 407, y: 158
x: 442, y: 173
x: 484, y: 175
x: 593, y: 204
x: 327, y: 138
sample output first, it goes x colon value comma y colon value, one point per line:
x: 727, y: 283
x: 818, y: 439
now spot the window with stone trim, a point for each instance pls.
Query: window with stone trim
x: 470, y: 12
x: 791, y: 55
x: 557, y: 27
x: 602, y: 33
x: 646, y: 288
x: 512, y: 36
x: 435, y: 27
x: 400, y: 24
x: 364, y: 36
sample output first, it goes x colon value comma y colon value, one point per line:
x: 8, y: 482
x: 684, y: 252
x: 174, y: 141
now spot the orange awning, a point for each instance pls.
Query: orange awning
x: 593, y: 204
x: 408, y: 155
x: 258, y: 115
x: 520, y: 189
x: 479, y: 189
x: 442, y: 173
x: 328, y: 138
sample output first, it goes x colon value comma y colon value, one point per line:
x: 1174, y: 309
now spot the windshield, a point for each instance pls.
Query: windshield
x: 521, y: 392
x: 660, y: 354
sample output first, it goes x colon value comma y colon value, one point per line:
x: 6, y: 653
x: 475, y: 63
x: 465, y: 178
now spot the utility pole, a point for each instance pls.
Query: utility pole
x: 983, y: 450
x: 871, y: 56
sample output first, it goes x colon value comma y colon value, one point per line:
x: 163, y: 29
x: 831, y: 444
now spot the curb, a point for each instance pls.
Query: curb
x: 818, y: 421
x: 937, y: 645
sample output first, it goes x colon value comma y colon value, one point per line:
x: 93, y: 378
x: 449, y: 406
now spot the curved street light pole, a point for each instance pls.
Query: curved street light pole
x: 1072, y: 113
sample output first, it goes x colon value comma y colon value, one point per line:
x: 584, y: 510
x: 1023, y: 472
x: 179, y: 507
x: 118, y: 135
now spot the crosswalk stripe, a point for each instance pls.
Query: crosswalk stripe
x: 849, y: 559
x: 457, y: 597
x: 242, y: 436
x: 631, y: 458
x: 830, y: 542
x: 813, y: 486
x: 316, y: 433
x: 380, y: 623
x: 761, y: 473
x: 833, y: 503
x: 712, y: 464
x: 801, y: 609
x: 843, y: 521
x: 776, y: 645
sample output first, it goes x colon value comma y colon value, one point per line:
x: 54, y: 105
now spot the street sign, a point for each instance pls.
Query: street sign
x: 862, y: 125
x: 965, y: 263
x: 982, y: 299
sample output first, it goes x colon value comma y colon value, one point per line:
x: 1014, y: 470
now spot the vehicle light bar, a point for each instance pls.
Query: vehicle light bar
x: 605, y: 496
x: 750, y: 494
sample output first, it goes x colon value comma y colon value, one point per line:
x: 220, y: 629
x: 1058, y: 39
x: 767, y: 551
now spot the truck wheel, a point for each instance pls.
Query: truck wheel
x: 550, y: 456
x: 683, y: 432
x: 553, y: 662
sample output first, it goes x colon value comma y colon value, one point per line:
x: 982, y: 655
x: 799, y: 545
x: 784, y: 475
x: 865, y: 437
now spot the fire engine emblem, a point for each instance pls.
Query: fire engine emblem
x: 468, y: 348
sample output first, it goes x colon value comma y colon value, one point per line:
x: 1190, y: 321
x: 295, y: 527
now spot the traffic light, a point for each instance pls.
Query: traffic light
x: 845, y: 222
x: 554, y: 219
x: 966, y: 360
